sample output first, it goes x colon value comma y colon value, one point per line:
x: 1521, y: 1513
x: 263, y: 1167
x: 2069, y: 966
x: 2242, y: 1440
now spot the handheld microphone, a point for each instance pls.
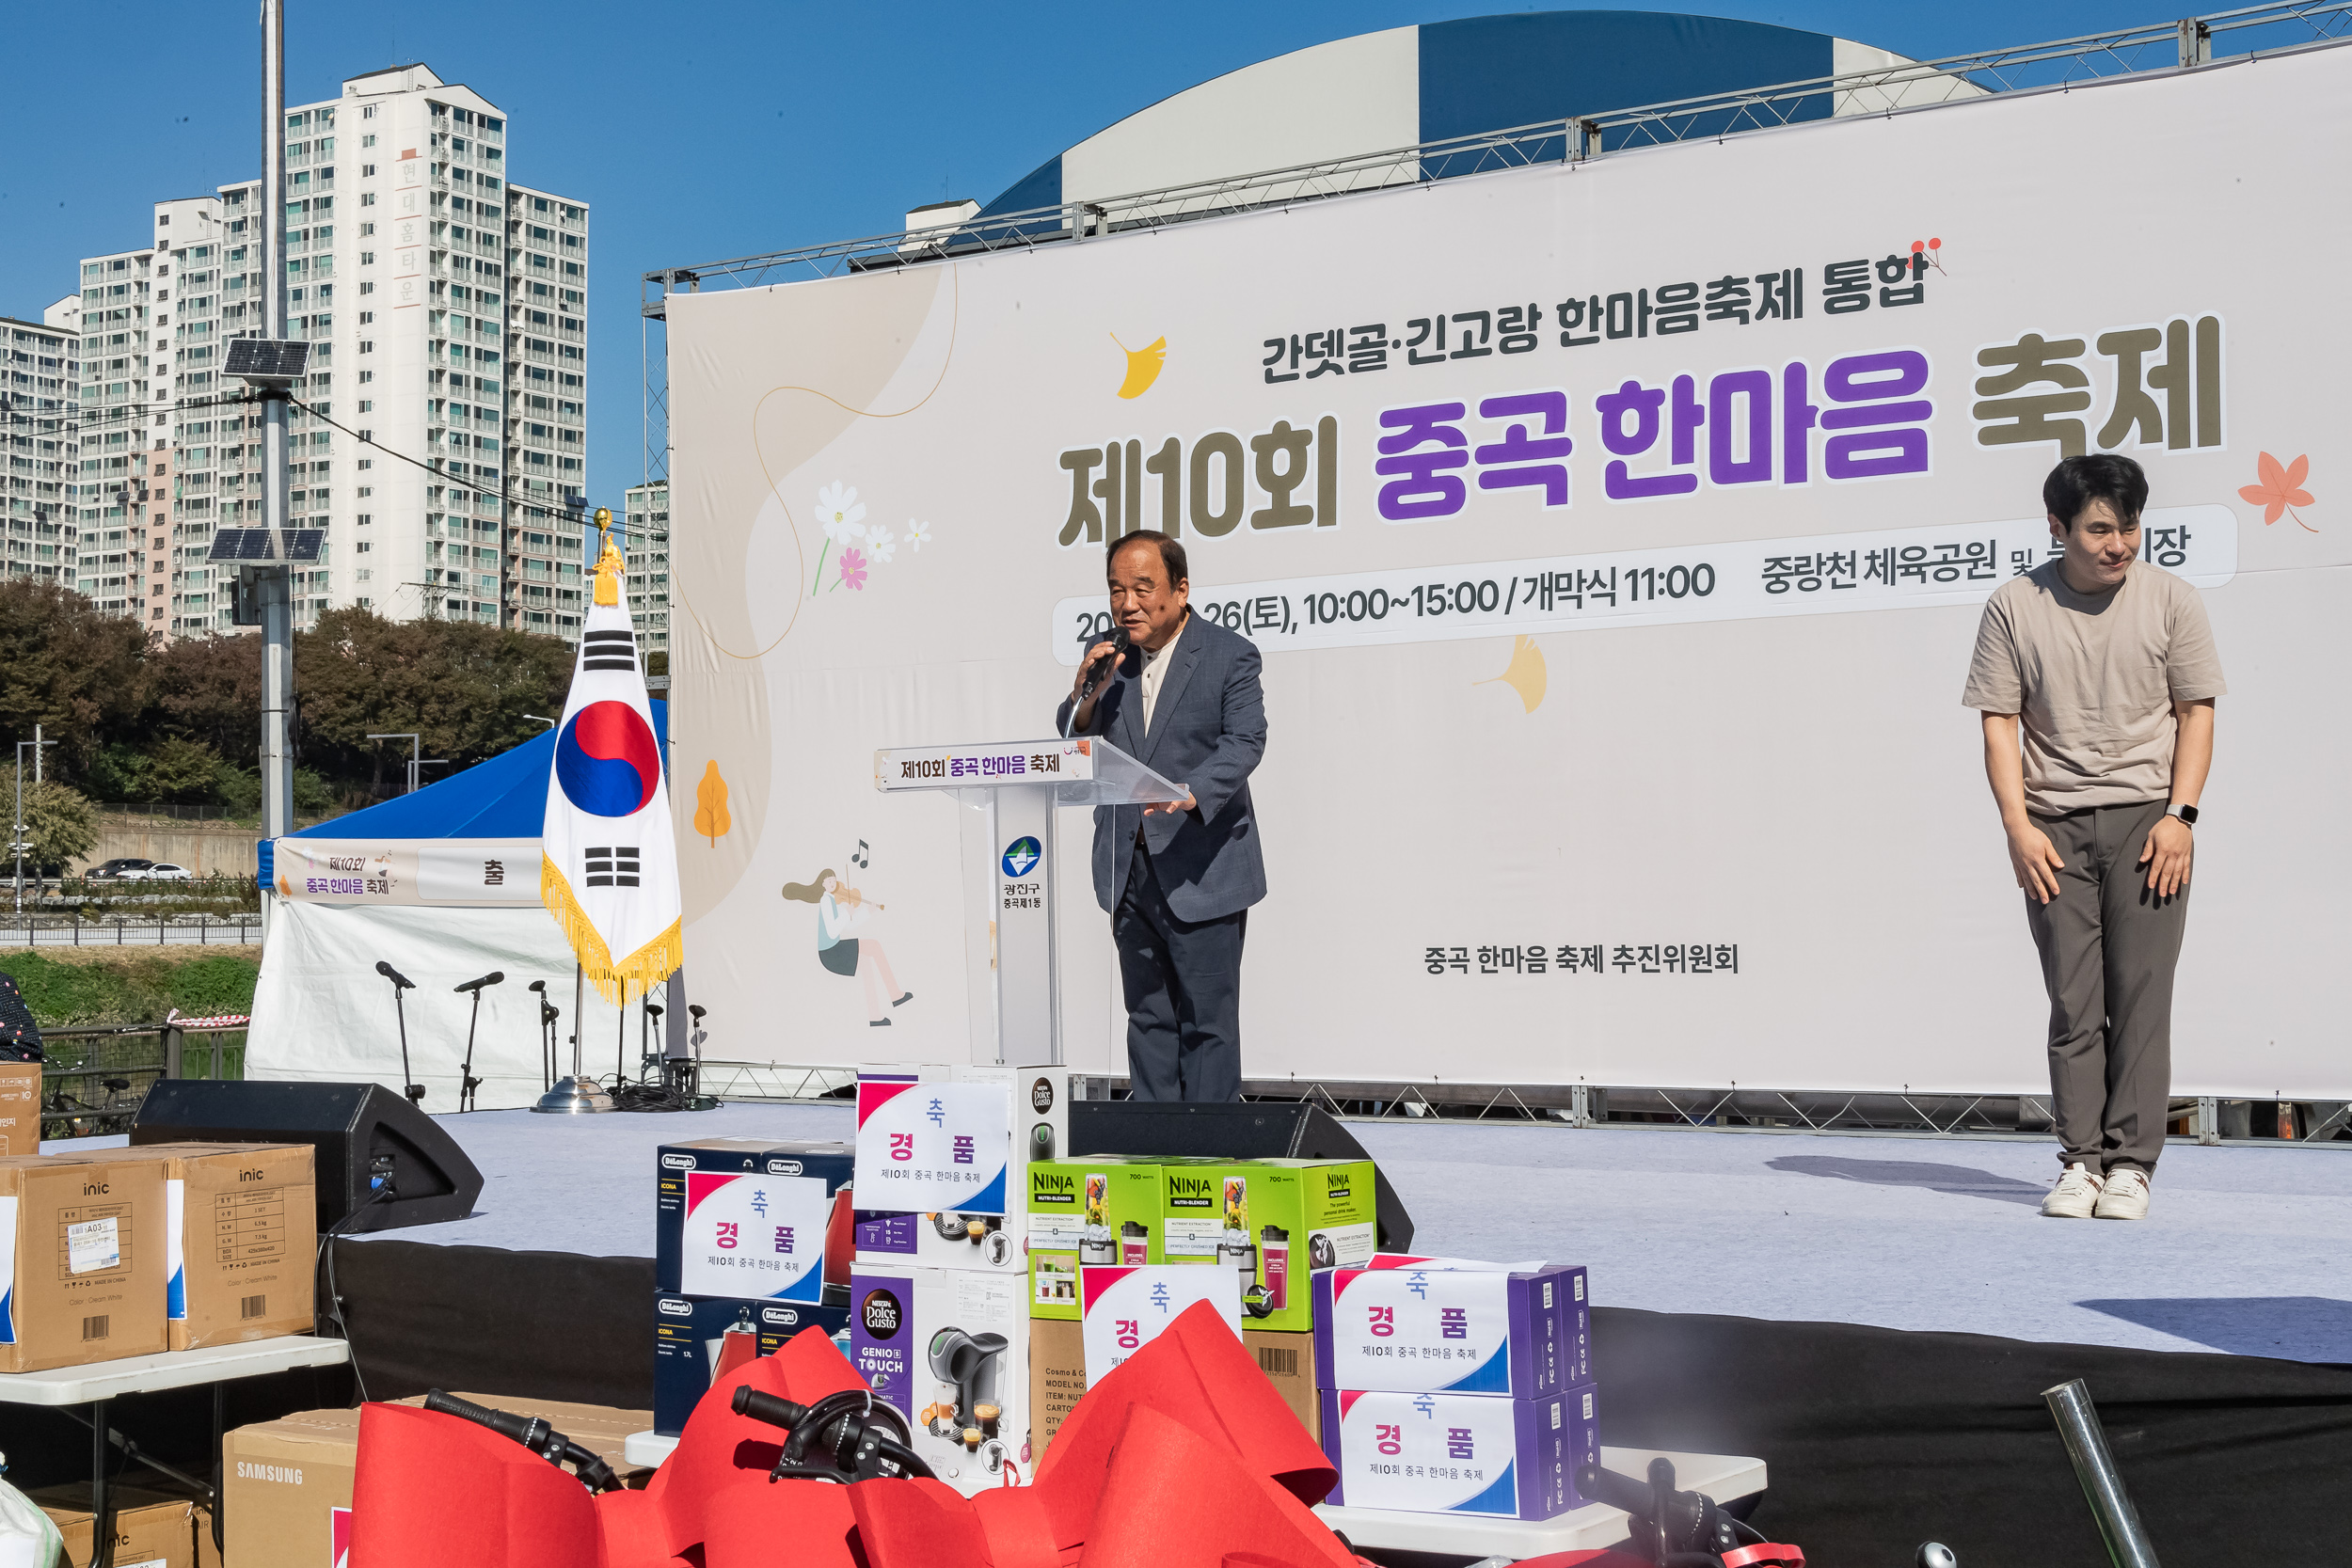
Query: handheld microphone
x: 538, y: 985
x: 494, y: 977
x: 654, y: 1009
x: 394, y: 975
x: 1120, y: 644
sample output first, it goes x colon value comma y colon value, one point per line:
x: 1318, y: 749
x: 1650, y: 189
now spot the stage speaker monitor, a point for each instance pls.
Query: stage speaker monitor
x: 364, y: 1136
x: 1258, y: 1130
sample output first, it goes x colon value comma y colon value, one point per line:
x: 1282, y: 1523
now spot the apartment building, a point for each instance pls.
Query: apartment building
x: 40, y: 378
x: 438, y: 437
x: 646, y: 546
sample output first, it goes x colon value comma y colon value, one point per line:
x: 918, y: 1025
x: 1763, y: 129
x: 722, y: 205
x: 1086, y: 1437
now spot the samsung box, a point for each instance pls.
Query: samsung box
x: 81, y: 1260
x: 287, y: 1483
x: 1460, y: 1453
x: 949, y: 1349
x: 698, y: 1339
x: 1093, y: 1212
x: 1272, y: 1221
x: 745, y: 1217
x: 1439, y: 1326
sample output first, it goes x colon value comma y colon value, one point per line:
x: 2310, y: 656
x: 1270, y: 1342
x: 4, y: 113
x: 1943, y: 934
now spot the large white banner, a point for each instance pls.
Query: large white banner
x: 1616, y: 535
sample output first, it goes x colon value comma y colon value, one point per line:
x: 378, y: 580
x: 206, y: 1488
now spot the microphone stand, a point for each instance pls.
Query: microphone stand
x: 577, y: 1094
x: 466, y: 1082
x: 414, y: 1091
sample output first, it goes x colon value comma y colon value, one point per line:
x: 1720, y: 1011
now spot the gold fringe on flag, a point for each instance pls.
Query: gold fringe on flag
x: 656, y: 960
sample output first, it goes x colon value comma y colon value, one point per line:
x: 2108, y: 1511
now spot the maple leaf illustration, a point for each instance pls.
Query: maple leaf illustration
x: 2280, y: 490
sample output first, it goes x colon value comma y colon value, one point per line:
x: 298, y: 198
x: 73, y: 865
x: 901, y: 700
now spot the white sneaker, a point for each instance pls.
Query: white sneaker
x: 2077, y: 1195
x: 2125, y: 1197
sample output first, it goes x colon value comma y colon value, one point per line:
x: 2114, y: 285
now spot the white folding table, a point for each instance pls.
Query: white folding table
x: 1723, y: 1477
x: 97, y: 1383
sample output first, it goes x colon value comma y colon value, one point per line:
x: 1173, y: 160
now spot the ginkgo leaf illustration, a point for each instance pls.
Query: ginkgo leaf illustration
x: 1143, y: 366
x: 1525, y: 674
x: 2280, y: 490
x: 710, y: 804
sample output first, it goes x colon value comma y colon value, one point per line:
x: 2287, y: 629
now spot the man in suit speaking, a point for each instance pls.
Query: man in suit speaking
x: 1180, y: 693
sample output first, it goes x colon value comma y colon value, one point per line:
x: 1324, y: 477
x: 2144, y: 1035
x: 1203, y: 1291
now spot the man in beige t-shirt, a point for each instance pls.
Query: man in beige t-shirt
x: 2096, y: 677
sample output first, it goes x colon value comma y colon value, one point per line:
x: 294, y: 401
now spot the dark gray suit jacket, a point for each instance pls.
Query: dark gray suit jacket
x: 1208, y: 731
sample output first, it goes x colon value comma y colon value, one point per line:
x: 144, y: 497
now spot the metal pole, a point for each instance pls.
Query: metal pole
x: 16, y: 836
x: 580, y: 995
x: 2110, y: 1504
x: 276, y: 584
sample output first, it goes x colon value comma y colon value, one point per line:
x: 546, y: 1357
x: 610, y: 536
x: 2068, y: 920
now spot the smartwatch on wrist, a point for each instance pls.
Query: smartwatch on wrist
x: 2186, y: 813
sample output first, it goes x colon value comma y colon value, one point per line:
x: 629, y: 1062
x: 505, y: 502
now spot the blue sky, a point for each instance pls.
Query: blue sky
x: 710, y: 131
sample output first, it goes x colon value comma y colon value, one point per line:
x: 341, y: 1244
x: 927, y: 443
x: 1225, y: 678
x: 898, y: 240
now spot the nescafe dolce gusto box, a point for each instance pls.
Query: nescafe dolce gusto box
x: 1274, y: 1220
x: 949, y: 1349
x: 1094, y: 1212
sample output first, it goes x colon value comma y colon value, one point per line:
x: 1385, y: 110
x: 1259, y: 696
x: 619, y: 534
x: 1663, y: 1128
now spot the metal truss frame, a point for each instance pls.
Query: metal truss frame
x: 2178, y: 45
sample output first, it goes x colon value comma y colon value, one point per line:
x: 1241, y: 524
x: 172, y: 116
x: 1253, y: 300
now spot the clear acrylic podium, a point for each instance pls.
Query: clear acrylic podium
x: 1010, y: 854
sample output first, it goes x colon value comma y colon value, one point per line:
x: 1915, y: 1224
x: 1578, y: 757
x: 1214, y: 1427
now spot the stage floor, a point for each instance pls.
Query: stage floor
x: 2244, y: 1253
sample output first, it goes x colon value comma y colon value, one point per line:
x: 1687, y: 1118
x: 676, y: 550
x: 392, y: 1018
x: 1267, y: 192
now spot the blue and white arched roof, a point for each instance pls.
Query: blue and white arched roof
x: 1408, y: 85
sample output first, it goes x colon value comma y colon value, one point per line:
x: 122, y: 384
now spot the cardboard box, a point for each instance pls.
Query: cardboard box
x: 286, y: 1484
x: 949, y: 1349
x: 1057, y: 1375
x: 1092, y: 1212
x: 743, y: 1217
x: 1271, y: 1220
x: 152, y: 1529
x: 1453, y: 1327
x: 1460, y: 1453
x: 81, y: 1260
x: 986, y: 1233
x: 20, y: 1108
x: 241, y: 1241
x: 695, y: 1336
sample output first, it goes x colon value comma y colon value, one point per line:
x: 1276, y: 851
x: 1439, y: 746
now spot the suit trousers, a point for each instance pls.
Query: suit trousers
x: 2109, y: 948
x: 1182, y: 984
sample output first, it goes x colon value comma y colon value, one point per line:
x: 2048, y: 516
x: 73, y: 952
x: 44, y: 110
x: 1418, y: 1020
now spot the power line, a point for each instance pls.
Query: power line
x: 439, y: 473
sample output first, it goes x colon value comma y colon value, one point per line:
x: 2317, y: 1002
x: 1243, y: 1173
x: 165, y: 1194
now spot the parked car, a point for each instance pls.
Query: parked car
x: 159, y: 871
x: 121, y: 866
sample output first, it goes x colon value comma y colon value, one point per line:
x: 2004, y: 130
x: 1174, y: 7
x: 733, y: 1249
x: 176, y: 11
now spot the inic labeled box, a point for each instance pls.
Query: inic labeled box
x: 81, y: 1260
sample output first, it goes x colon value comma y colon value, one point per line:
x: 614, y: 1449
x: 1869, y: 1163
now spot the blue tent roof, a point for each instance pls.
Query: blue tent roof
x: 505, y: 797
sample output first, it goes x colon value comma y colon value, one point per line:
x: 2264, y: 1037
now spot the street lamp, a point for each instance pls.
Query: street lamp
x: 418, y: 761
x: 17, y: 838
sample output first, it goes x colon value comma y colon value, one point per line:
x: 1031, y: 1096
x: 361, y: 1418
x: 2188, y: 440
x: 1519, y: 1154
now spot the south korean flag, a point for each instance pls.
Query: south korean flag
x: 608, y: 867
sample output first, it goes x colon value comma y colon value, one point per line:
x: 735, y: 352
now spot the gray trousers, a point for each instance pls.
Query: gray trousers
x: 2109, y: 946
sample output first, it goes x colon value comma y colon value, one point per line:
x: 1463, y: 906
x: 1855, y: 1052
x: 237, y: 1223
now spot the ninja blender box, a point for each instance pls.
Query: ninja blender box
x: 939, y: 1167
x: 698, y: 1339
x: 1274, y: 1220
x: 746, y: 1218
x: 1097, y: 1211
x: 1460, y: 1453
x: 949, y: 1349
x: 1439, y: 1326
